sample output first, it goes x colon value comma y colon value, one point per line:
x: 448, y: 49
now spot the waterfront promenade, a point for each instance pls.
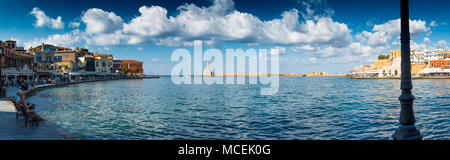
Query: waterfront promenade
x: 14, y: 129
x: 436, y: 77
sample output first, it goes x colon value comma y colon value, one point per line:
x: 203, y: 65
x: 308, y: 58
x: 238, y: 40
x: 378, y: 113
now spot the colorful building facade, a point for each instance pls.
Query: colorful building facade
x: 7, y: 59
x: 50, y: 57
x: 395, y: 53
x: 443, y: 63
x: 103, y: 63
x: 129, y: 67
x: 14, y: 57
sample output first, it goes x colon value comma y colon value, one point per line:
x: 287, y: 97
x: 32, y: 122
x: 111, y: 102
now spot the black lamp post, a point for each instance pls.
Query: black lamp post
x: 407, y: 130
x: 1, y: 77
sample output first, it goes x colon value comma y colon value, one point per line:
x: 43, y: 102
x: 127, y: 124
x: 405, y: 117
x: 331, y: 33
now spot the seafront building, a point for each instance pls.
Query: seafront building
x: 437, y: 68
x: 47, y: 60
x: 86, y: 63
x: 442, y: 54
x: 15, y: 57
x: 15, y: 61
x: 422, y: 64
x: 444, y: 63
x: 395, y: 53
x: 417, y: 57
x: 23, y: 60
x: 103, y: 63
x: 53, y: 58
x: 7, y: 59
x: 430, y: 55
x: 128, y: 67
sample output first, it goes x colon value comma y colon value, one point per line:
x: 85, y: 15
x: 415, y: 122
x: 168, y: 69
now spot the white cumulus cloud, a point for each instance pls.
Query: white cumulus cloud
x: 216, y: 23
x: 382, y: 34
x: 66, y: 40
x: 43, y: 20
x: 99, y: 21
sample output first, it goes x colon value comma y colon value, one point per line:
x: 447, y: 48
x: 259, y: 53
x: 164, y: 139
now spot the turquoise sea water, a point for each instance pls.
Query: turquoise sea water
x: 304, y: 108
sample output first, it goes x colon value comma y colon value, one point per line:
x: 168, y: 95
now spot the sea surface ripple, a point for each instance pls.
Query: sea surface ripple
x: 304, y: 108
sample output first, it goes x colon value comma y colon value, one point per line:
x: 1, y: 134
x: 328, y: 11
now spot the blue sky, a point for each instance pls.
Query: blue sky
x: 313, y: 35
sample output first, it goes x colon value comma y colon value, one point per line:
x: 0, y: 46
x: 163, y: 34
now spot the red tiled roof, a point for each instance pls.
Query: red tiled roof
x: 102, y: 55
x: 61, y: 47
x: 128, y: 61
x: 26, y: 55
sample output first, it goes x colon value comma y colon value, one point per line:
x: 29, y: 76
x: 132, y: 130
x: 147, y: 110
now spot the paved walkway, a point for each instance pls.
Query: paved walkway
x: 14, y: 129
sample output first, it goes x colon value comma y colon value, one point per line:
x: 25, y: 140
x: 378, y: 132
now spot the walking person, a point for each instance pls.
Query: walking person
x: 15, y: 81
x: 24, y: 86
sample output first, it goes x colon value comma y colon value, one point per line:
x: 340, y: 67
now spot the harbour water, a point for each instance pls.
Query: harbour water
x: 303, y: 108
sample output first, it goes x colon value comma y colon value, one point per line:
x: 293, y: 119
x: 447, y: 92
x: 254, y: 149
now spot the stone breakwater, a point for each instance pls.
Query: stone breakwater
x: 33, y: 90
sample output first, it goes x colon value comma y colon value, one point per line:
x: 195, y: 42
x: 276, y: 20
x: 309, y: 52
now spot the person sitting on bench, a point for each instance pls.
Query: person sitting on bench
x: 28, y: 106
x: 17, y: 97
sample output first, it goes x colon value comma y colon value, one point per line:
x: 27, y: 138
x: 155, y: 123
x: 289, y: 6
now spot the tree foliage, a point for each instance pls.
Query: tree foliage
x: 383, y: 57
x: 124, y: 69
x: 137, y: 68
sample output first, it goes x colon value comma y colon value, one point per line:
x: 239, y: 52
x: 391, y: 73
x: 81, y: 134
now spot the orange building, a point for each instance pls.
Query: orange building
x: 444, y: 63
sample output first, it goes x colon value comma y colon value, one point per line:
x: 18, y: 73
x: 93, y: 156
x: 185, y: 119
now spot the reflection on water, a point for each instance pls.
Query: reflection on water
x: 304, y: 108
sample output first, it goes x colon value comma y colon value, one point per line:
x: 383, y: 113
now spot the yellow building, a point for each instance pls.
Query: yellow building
x: 50, y: 57
x: 393, y: 54
x: 65, y: 60
x: 394, y: 69
x: 416, y: 68
x: 379, y: 64
x: 443, y: 53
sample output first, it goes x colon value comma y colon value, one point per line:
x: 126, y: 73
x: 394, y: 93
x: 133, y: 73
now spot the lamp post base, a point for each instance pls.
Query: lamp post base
x: 407, y: 133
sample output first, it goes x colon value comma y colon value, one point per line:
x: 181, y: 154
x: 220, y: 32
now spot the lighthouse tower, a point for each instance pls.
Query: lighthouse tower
x: 208, y: 70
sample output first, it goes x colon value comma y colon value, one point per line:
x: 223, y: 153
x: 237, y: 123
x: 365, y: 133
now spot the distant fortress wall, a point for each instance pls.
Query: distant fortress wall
x: 325, y: 74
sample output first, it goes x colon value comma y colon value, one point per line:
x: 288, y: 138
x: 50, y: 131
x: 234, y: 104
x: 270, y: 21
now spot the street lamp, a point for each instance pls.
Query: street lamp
x: 1, y: 77
x: 407, y: 130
